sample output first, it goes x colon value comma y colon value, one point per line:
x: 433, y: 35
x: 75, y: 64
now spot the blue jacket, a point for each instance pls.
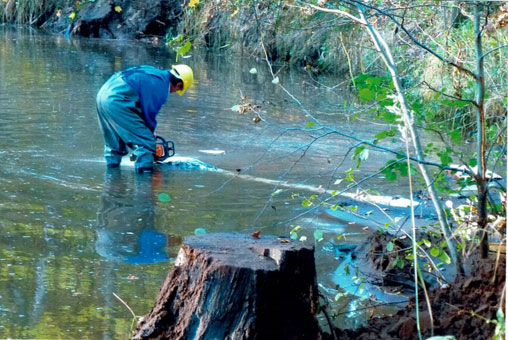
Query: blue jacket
x: 152, y: 86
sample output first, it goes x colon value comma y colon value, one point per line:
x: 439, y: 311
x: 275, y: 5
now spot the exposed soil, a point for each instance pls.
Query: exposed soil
x: 452, y: 304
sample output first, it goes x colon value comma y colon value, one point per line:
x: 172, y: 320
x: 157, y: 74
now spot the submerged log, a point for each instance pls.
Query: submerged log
x: 231, y: 286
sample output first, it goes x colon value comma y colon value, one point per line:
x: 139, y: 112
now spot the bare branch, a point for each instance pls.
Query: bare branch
x: 449, y: 96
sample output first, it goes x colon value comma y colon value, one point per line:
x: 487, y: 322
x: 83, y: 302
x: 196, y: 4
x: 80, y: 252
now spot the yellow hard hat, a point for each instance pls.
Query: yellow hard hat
x: 185, y: 73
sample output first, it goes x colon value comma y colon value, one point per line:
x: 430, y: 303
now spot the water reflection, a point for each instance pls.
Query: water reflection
x: 126, y: 220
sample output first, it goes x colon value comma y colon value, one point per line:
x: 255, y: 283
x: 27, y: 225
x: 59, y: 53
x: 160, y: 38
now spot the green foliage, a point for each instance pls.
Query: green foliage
x: 389, y: 246
x: 179, y: 44
x: 360, y: 154
x: 393, y: 167
x: 499, y: 332
x: 376, y: 88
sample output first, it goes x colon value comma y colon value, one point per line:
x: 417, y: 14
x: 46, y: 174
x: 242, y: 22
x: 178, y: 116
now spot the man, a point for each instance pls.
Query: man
x: 127, y: 106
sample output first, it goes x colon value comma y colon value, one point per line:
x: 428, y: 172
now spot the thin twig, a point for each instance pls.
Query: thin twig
x: 126, y: 305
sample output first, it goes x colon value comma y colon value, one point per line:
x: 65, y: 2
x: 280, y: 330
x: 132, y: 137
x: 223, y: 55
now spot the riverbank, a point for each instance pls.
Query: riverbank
x: 288, y: 34
x: 466, y: 309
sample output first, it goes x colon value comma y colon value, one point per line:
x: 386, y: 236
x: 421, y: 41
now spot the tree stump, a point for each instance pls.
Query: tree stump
x: 232, y: 286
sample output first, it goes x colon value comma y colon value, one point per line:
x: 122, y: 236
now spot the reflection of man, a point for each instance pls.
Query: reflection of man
x: 125, y: 221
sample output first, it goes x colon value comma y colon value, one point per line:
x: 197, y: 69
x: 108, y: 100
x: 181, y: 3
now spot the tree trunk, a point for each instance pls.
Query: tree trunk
x: 232, y: 286
x: 481, y: 140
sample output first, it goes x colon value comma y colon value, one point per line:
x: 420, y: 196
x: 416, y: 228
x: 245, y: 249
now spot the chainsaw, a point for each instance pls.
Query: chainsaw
x: 163, y: 149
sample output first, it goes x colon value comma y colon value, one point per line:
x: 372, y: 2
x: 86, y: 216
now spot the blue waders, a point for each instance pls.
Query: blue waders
x: 120, y: 118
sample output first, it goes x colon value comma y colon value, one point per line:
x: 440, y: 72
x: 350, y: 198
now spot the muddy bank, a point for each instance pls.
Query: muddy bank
x: 117, y: 20
x: 452, y: 303
x: 311, y: 40
x: 298, y: 36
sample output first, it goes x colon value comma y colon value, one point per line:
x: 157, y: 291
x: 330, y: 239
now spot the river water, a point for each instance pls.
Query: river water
x: 72, y: 233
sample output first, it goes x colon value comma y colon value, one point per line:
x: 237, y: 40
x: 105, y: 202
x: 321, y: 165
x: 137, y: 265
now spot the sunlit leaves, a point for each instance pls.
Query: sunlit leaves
x: 179, y: 44
x: 295, y: 229
x: 444, y: 257
x: 444, y: 156
x: 360, y: 154
x: 389, y: 246
x: 366, y: 95
x: 375, y: 88
x: 456, y: 136
x: 72, y: 16
x: 294, y: 232
x: 307, y: 203
x: 118, y: 9
x: 183, y: 49
x: 275, y: 80
x: 253, y: 71
x: 386, y: 133
x: 434, y: 251
x: 193, y: 3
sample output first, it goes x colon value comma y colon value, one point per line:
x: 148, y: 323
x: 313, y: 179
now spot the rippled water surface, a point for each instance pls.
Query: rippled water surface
x: 72, y: 233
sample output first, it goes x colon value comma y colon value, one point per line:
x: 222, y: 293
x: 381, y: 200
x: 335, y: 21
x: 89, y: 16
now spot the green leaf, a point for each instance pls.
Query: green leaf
x: 364, y: 154
x: 454, y: 103
x: 427, y: 242
x: 295, y: 229
x: 366, y: 95
x: 473, y: 162
x: 309, y: 125
x: 500, y: 315
x: 318, y: 235
x: 306, y: 203
x: 434, y: 251
x: 456, y: 136
x: 294, y: 236
x: 391, y: 176
x: 445, y: 158
x: 389, y: 246
x: 374, y: 81
x: 275, y: 80
x: 445, y: 258
x: 163, y: 197
x: 253, y: 71
x: 182, y: 50
x: 442, y: 337
x: 199, y: 231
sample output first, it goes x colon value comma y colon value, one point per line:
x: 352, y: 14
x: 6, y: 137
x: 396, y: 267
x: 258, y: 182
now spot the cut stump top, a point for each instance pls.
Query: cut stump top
x: 240, y: 250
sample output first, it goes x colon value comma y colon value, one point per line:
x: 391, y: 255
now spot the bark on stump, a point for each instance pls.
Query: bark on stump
x: 231, y: 286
